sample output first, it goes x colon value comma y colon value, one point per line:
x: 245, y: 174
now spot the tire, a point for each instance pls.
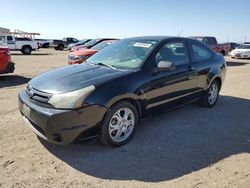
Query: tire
x: 223, y: 53
x: 46, y: 45
x: 26, y: 50
x: 60, y: 47
x: 211, y: 96
x: 115, y: 124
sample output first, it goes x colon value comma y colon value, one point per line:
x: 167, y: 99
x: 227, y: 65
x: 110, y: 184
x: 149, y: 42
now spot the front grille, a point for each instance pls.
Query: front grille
x: 38, y: 97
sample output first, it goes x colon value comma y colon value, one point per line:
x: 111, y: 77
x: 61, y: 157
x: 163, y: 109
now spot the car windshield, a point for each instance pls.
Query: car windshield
x: 91, y: 43
x: 101, y: 45
x: 124, y: 54
x: 243, y: 46
x: 82, y: 41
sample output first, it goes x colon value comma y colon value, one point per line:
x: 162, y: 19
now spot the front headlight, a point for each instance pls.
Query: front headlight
x: 71, y: 100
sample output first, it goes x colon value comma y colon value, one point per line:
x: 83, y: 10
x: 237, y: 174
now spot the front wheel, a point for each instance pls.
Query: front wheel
x: 119, y: 124
x: 211, y: 96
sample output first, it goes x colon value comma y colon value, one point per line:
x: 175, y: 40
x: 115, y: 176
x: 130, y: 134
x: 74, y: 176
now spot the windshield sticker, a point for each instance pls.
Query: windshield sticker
x: 142, y: 45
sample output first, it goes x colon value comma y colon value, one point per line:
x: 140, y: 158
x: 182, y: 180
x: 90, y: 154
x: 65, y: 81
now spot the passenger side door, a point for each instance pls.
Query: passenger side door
x: 170, y: 85
x: 201, y: 58
x: 11, y: 42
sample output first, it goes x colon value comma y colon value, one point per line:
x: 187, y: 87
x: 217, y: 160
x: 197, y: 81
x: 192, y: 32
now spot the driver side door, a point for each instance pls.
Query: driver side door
x: 171, y: 85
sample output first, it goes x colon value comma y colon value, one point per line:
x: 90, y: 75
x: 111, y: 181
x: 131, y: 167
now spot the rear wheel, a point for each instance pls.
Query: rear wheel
x: 211, y: 96
x: 26, y: 50
x: 119, y: 124
x: 223, y: 53
x: 60, y: 47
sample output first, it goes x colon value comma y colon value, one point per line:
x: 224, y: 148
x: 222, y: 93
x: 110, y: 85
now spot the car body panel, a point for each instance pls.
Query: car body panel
x: 6, y: 66
x: 146, y: 89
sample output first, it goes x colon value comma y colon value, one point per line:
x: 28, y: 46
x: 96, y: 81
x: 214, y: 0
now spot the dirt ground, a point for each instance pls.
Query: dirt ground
x: 188, y: 147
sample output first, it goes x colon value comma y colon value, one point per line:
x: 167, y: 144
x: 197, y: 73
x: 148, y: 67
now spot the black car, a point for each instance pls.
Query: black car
x: 118, y: 86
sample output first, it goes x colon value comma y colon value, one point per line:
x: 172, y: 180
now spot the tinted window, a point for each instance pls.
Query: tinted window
x: 209, y: 41
x: 9, y: 38
x: 175, y: 52
x: 200, y: 53
x: 23, y: 39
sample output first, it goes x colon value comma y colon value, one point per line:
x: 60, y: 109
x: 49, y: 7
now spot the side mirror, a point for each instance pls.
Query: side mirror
x: 164, y: 66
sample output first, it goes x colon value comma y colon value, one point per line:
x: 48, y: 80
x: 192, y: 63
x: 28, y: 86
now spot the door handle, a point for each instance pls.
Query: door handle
x: 190, y: 68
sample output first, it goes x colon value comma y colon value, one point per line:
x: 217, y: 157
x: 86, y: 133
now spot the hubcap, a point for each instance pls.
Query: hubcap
x: 121, y: 125
x: 27, y: 50
x: 213, y: 94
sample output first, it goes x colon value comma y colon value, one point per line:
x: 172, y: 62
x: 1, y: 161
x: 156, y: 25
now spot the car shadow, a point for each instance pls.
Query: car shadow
x: 232, y: 63
x: 32, y: 54
x: 168, y: 145
x: 12, y: 80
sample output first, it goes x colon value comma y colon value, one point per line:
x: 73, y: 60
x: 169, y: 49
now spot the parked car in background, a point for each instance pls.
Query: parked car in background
x: 114, y: 89
x: 230, y: 46
x: 90, y: 44
x: 43, y: 43
x: 25, y: 45
x: 80, y: 56
x: 212, y: 43
x: 61, y: 44
x: 242, y: 51
x: 81, y: 42
x: 6, y: 65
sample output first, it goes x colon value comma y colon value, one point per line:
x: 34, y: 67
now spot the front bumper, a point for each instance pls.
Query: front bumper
x: 56, y: 125
x: 240, y: 55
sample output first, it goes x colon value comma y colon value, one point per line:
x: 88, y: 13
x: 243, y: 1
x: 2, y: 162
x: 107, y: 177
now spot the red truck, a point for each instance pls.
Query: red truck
x: 212, y: 43
x: 6, y: 65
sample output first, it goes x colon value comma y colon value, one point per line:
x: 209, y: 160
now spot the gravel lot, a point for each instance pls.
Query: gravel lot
x: 189, y: 147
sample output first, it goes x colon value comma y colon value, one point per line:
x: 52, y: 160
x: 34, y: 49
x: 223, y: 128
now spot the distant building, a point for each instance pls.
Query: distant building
x: 4, y: 29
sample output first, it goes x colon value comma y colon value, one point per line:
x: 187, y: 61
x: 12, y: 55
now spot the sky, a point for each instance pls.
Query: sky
x: 228, y: 20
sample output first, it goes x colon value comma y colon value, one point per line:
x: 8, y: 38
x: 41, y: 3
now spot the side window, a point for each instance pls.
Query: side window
x: 175, y: 52
x: 2, y: 38
x: 200, y: 53
x: 9, y: 38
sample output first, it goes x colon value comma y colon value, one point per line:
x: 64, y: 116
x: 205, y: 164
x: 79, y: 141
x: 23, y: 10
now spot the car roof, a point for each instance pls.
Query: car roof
x: 159, y: 38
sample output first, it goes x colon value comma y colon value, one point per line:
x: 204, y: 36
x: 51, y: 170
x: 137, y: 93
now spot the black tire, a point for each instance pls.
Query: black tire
x: 105, y: 135
x: 26, y: 50
x: 223, y: 53
x: 46, y: 45
x: 205, y: 100
x: 61, y: 47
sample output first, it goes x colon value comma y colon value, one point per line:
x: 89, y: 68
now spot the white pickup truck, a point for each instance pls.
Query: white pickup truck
x: 25, y: 45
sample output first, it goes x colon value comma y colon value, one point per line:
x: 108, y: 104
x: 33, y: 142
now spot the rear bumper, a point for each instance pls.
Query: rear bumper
x: 59, y: 126
x: 9, y: 69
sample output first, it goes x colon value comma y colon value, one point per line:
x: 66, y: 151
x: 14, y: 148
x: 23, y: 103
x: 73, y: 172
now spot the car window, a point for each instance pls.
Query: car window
x: 200, y: 53
x: 9, y: 38
x: 2, y: 38
x: 209, y: 41
x: 125, y: 54
x: 175, y: 52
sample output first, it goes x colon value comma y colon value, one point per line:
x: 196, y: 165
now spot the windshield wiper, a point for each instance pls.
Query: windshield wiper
x: 107, y: 65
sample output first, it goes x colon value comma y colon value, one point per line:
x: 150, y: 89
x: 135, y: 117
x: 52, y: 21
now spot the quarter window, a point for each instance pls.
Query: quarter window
x: 200, y: 53
x: 175, y: 52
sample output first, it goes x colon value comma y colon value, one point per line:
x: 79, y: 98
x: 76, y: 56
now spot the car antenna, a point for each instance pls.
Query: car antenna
x: 180, y: 33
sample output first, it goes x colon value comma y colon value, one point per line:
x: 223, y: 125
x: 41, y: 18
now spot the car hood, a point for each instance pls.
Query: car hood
x: 83, y: 52
x: 73, y: 77
x: 241, y: 50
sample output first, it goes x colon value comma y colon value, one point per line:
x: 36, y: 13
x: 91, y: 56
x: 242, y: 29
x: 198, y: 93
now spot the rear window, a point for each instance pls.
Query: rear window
x: 23, y: 39
x: 200, y: 53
